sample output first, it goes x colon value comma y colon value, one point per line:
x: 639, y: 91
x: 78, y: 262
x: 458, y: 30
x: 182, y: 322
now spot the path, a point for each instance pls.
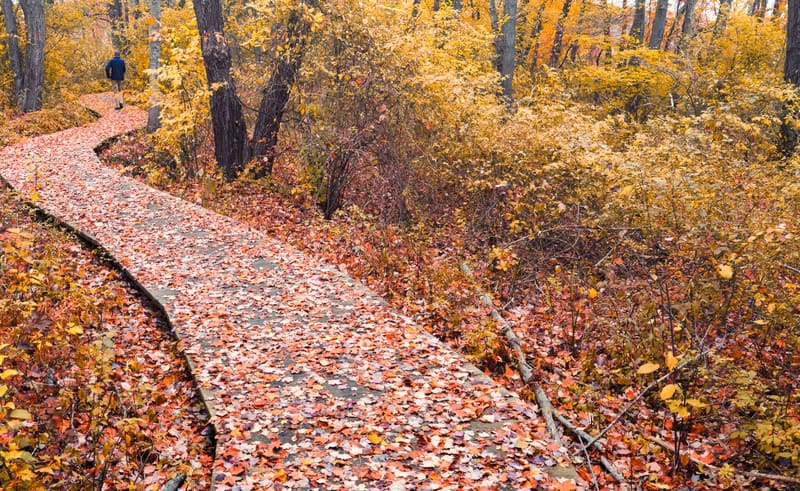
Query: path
x: 310, y: 380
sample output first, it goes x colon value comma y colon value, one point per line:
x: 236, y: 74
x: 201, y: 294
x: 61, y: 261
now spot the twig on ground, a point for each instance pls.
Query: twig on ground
x: 753, y: 474
x: 791, y: 268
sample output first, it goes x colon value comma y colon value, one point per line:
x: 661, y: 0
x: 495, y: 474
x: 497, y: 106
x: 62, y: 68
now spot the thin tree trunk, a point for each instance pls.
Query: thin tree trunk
x: 509, y: 55
x: 33, y: 79
x: 276, y: 94
x: 498, y: 38
x: 688, y: 19
x: 637, y: 28
x: 231, y: 147
x: 791, y: 65
x: 415, y: 9
x: 154, y: 52
x: 12, y: 45
x: 555, y: 53
x: 659, y: 24
x: 536, y: 37
x: 791, y: 73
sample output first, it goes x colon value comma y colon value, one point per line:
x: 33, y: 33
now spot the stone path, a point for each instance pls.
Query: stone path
x: 310, y: 381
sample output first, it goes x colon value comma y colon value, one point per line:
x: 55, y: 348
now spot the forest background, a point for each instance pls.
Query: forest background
x: 621, y: 179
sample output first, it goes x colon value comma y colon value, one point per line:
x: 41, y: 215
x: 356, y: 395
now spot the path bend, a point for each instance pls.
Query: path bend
x: 310, y: 380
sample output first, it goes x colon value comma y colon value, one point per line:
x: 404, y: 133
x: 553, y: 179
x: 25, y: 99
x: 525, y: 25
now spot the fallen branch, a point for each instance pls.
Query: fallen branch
x: 524, y: 369
x: 791, y: 268
x: 755, y: 475
x: 642, y: 394
x: 526, y: 374
x: 583, y: 438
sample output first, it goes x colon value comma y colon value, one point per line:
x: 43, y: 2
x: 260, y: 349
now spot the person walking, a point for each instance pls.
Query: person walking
x: 115, y: 71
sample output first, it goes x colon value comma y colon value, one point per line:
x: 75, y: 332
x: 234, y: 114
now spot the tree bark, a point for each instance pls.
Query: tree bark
x: 276, y: 94
x: 558, y: 39
x: 33, y: 79
x: 725, y: 7
x: 12, y: 45
x: 154, y: 53
x: 659, y: 24
x: 637, y: 28
x: 508, y: 57
x: 791, y: 65
x: 688, y: 18
x: 536, y: 34
x: 231, y: 147
x: 791, y: 73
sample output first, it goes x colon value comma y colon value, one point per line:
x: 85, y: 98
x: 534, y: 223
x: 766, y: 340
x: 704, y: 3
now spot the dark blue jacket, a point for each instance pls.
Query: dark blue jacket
x: 115, y: 69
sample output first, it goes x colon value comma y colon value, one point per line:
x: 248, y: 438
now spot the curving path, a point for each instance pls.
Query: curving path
x: 310, y: 381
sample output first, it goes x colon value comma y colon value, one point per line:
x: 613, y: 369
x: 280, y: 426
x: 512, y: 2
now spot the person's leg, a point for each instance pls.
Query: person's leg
x: 116, y: 85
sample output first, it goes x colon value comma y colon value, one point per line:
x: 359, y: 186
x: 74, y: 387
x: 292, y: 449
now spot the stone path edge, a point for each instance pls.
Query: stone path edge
x: 106, y: 257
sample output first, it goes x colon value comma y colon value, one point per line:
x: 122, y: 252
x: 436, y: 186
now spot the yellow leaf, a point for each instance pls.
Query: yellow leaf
x: 668, y: 391
x: 695, y: 403
x: 75, y: 329
x: 648, y: 368
x: 34, y: 196
x: 45, y: 470
x: 3, y: 390
x: 20, y: 414
x: 627, y: 190
x: 375, y: 438
x: 671, y: 361
x: 592, y: 293
x: 8, y: 373
x: 725, y: 270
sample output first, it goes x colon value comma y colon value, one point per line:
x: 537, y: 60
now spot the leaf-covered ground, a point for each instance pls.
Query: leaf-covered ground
x: 93, y: 391
x: 310, y: 379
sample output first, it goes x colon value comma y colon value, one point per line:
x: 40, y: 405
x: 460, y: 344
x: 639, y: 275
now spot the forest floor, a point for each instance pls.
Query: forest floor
x: 310, y: 380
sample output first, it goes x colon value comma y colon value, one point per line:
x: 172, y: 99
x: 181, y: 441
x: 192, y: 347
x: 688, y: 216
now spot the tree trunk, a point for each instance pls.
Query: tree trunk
x: 12, y: 45
x: 659, y: 24
x: 509, y: 55
x: 791, y: 73
x: 536, y: 33
x: 555, y: 53
x: 688, y: 19
x: 276, y: 94
x: 231, y: 146
x: 154, y: 52
x: 33, y: 79
x: 637, y: 28
x: 791, y: 65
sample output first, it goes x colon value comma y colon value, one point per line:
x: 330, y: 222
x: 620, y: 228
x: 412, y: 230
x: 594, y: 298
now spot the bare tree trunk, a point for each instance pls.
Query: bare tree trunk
x: 415, y: 9
x: 231, y: 147
x: 276, y: 94
x: 637, y: 28
x: 33, y: 79
x: 791, y: 73
x: 509, y: 55
x: 12, y: 45
x: 555, y: 53
x: 688, y: 19
x: 659, y: 25
x: 154, y: 52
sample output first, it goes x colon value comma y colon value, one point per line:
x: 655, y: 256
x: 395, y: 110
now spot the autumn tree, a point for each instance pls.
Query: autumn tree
x: 555, y: 52
x: 12, y: 45
x: 154, y: 52
x: 659, y: 24
x: 791, y: 72
x: 231, y: 146
x: 275, y: 95
x: 33, y: 78
x: 637, y: 28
